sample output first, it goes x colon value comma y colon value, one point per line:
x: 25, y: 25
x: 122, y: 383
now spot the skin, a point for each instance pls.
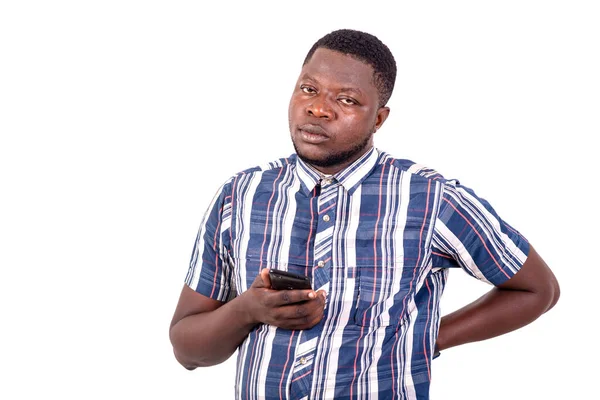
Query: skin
x: 519, y: 301
x: 334, y: 112
x: 206, y: 332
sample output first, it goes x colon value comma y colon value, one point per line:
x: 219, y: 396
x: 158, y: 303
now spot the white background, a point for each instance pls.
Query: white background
x: 119, y: 120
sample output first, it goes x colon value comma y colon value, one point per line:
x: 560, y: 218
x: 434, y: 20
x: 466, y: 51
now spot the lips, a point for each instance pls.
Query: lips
x: 312, y: 134
x: 313, y: 129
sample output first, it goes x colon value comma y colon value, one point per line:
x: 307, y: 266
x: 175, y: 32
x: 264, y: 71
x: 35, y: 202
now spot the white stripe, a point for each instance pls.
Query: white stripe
x: 200, y: 240
x: 344, y: 298
x: 499, y: 242
x: 306, y: 347
x: 508, y: 243
x: 282, y: 218
x: 398, y: 238
x: 287, y: 223
x: 357, y: 175
x: 244, y: 206
x: 405, y: 381
x: 460, y: 251
x: 262, y: 364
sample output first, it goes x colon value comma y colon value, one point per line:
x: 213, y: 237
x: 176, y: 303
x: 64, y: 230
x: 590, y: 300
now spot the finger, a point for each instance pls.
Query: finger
x: 262, y: 279
x: 285, y: 297
x: 322, y: 294
x: 304, y: 322
x: 307, y: 309
x: 264, y: 274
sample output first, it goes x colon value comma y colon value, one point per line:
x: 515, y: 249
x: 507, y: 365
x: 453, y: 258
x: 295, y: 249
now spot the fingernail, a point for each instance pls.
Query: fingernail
x: 312, y: 295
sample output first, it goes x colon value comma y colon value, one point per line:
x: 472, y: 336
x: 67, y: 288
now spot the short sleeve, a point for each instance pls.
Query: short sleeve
x: 469, y: 233
x: 210, y: 271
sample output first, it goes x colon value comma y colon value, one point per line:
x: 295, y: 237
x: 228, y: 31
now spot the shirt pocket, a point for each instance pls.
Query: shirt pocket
x: 385, y: 293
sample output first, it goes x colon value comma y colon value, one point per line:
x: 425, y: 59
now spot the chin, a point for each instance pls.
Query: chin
x: 311, y: 158
x: 309, y: 152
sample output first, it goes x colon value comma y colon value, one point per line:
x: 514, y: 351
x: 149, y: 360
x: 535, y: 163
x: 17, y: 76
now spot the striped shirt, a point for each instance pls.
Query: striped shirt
x: 380, y: 243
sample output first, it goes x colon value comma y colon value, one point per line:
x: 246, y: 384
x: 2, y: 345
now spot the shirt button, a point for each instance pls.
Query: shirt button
x: 321, y: 264
x: 327, y: 181
x: 326, y: 218
x: 303, y: 361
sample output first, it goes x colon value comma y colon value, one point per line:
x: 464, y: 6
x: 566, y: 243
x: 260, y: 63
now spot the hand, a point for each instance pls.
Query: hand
x: 287, y: 309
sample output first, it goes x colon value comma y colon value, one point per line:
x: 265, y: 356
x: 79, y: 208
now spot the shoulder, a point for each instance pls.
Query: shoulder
x: 274, y: 167
x: 418, y: 171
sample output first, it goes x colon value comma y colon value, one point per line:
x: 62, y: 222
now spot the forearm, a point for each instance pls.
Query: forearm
x: 497, y: 312
x: 210, y: 338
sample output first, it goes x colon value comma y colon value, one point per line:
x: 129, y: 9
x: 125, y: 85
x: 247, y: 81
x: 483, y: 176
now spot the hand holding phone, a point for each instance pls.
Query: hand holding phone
x: 284, y: 280
x: 286, y: 307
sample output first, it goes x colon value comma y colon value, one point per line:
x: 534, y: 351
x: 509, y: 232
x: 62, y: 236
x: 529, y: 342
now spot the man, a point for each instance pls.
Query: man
x: 375, y: 234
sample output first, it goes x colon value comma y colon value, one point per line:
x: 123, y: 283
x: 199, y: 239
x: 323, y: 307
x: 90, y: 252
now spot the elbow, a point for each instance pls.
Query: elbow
x: 179, y: 354
x: 555, y: 290
x: 186, y: 355
x: 183, y: 361
x: 191, y: 364
x: 548, y: 294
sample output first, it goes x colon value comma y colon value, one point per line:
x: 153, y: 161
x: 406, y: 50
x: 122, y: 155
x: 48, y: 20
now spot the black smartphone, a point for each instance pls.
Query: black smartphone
x: 283, y: 280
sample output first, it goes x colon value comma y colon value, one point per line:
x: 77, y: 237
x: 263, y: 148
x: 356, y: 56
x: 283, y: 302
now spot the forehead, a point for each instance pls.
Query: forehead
x: 337, y: 69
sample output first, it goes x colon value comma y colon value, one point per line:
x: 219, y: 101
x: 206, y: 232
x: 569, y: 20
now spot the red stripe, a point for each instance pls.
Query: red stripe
x: 423, y: 226
x: 312, y: 218
x: 327, y: 209
x: 442, y: 255
x: 516, y: 232
x: 418, y: 261
x: 374, y: 276
x: 375, y: 244
x: 260, y: 268
x: 479, y: 236
x: 285, y: 366
x: 420, y: 240
x: 418, y: 258
x: 301, y: 376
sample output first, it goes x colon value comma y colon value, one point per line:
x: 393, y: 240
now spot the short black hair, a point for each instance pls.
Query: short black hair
x: 367, y: 48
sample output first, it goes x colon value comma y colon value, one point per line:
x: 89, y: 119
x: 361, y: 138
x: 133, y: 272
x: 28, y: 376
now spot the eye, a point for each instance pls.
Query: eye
x: 307, y: 89
x: 348, y: 101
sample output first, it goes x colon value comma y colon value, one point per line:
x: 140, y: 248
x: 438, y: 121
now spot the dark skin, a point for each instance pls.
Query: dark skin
x: 334, y: 112
x: 523, y: 298
x: 206, y: 332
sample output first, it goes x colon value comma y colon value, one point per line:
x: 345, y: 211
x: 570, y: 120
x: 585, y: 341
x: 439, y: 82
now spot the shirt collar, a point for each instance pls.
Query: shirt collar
x: 350, y: 177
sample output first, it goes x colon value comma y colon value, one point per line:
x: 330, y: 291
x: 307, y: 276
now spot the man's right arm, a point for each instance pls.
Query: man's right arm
x: 207, y: 332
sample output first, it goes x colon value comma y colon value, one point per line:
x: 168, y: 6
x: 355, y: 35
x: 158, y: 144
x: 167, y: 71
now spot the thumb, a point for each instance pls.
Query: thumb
x: 262, y: 280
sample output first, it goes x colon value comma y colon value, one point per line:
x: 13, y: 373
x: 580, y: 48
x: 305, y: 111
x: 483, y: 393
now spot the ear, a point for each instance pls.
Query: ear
x: 382, y: 115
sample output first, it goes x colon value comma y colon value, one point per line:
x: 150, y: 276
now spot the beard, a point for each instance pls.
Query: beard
x: 336, y: 158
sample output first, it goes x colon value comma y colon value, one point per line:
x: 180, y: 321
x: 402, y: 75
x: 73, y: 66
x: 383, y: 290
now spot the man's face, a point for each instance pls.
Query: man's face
x: 334, y: 111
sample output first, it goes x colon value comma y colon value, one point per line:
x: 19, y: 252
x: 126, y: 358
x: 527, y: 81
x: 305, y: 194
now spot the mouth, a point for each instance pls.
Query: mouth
x: 311, y: 133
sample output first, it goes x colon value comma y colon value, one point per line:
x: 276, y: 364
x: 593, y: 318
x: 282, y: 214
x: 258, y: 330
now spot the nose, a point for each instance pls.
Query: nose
x: 320, y: 108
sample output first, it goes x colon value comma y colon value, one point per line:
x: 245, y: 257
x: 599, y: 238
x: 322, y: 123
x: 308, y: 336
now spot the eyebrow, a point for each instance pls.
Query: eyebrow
x: 344, y: 89
x: 353, y: 90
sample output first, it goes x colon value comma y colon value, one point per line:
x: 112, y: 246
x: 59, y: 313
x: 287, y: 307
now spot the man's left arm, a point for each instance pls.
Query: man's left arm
x: 529, y: 293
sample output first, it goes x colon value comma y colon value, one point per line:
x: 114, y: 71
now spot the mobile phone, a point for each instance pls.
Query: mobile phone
x: 284, y: 280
